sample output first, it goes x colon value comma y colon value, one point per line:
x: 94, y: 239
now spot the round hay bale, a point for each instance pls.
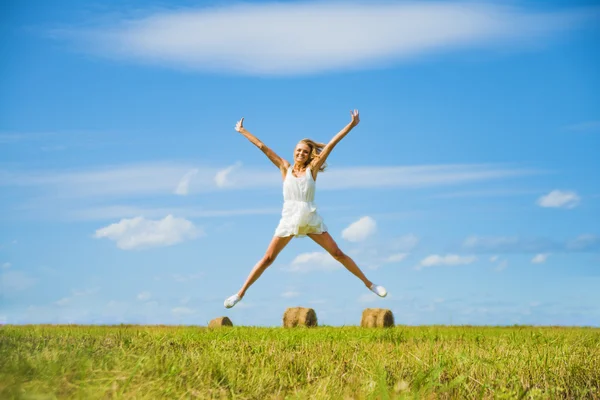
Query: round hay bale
x: 377, y: 318
x: 299, y: 316
x: 220, y: 322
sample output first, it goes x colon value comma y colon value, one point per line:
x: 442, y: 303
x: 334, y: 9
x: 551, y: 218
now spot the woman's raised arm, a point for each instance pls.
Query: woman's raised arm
x: 319, y: 161
x: 279, y: 162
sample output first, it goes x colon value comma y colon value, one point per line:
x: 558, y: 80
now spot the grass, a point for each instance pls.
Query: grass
x: 143, y: 362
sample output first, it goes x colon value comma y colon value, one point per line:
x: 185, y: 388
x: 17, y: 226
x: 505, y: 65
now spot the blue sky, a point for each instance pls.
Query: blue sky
x: 469, y: 190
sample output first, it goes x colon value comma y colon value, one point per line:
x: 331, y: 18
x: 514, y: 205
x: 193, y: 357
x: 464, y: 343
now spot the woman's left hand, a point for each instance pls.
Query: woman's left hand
x: 355, y: 118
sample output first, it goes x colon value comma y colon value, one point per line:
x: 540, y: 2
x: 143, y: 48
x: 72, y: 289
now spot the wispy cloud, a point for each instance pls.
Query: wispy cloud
x: 395, y: 258
x: 418, y: 176
x: 540, y: 258
x: 157, y: 178
x: 559, y: 199
x: 104, y: 193
x: 138, y: 233
x: 315, y: 261
x: 105, y: 181
x: 65, y: 301
x: 405, y: 243
x: 14, y: 281
x: 360, y: 230
x: 16, y: 137
x: 308, y: 37
x: 588, y: 126
x: 506, y: 244
x: 221, y: 177
x: 586, y: 242
x: 290, y: 294
x: 114, y: 212
x: 187, y: 277
x: 500, y: 264
x: 183, y: 187
x: 180, y: 311
x: 515, y: 244
x: 368, y: 298
x: 483, y: 193
x: 143, y: 296
x: 436, y: 260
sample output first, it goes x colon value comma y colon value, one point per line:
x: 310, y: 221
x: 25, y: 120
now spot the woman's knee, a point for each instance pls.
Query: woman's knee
x: 338, y: 254
x: 268, y: 259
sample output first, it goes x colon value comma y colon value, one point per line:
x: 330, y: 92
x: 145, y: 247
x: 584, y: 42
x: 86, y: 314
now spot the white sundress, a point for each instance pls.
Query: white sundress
x: 299, y: 216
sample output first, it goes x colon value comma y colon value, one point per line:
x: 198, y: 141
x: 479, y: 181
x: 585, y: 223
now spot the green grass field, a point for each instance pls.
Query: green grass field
x: 93, y: 362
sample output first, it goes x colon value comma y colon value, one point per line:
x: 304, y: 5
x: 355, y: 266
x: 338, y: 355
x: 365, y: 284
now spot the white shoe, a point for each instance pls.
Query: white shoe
x: 378, y: 290
x: 232, y: 301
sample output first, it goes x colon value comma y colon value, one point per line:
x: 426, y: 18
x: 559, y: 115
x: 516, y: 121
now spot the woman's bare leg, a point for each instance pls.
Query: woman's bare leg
x: 277, y: 244
x: 326, y: 241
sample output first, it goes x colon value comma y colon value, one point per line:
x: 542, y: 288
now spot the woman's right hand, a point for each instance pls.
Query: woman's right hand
x: 240, y: 125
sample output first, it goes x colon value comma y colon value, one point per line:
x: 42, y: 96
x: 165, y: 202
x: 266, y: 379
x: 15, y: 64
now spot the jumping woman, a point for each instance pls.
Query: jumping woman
x: 299, y: 216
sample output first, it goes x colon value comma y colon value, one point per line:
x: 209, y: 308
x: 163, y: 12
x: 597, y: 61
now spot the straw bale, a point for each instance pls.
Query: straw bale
x: 377, y: 318
x: 299, y: 316
x: 220, y: 322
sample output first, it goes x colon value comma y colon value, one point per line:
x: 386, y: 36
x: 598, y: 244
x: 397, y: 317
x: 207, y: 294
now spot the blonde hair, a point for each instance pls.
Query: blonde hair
x: 315, y: 151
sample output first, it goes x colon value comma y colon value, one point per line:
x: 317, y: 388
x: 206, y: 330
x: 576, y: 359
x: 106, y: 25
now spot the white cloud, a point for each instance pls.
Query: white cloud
x: 289, y: 294
x: 360, y: 230
x: 139, y: 232
x: 222, y: 177
x: 315, y: 261
x: 6, y: 265
x: 143, y: 296
x: 540, y: 258
x: 559, y: 199
x: 395, y: 258
x: 494, y: 258
x: 435, y: 260
x: 274, y: 38
x: 183, y: 311
x: 183, y: 186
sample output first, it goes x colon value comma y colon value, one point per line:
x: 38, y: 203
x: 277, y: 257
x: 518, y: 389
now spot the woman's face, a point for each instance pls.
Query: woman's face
x: 301, y: 153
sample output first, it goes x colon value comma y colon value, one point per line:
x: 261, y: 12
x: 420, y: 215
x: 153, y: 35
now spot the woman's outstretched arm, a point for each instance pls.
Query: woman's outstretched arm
x: 278, y: 161
x: 327, y: 149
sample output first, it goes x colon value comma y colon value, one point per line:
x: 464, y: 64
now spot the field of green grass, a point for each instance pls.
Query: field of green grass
x: 155, y: 362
